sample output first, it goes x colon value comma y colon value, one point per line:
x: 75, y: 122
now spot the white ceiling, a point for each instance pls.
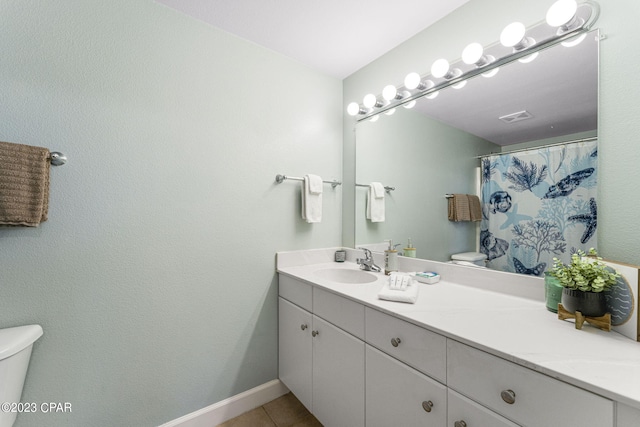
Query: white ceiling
x: 337, y: 37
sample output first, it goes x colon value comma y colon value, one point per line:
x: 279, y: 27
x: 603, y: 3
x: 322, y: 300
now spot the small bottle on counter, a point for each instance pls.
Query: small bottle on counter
x: 409, y: 251
x: 341, y: 255
x: 390, y: 259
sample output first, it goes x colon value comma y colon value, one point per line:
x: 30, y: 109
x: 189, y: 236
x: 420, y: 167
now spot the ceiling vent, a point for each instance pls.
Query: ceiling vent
x: 516, y: 117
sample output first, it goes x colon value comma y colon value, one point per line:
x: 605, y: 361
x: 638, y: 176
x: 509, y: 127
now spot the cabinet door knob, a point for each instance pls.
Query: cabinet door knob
x: 315, y: 333
x: 460, y: 423
x: 395, y: 342
x: 427, y: 405
x: 509, y: 396
x: 303, y: 326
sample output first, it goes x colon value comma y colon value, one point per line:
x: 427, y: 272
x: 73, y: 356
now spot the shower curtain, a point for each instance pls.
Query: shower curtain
x: 538, y: 204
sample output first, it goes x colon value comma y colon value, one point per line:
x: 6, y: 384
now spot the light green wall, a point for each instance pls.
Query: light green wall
x: 154, y: 277
x: 482, y: 21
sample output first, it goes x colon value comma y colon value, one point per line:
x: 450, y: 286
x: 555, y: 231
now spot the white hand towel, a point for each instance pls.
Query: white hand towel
x: 375, y: 202
x: 311, y: 202
x: 409, y: 295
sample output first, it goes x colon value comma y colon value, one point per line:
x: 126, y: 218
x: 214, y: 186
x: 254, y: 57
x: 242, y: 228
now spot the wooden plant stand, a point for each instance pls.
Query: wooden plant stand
x: 602, y: 322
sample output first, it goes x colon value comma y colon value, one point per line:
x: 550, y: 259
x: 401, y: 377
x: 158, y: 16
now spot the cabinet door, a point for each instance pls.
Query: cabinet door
x: 294, y: 345
x: 465, y: 412
x: 338, y: 376
x: 398, y: 395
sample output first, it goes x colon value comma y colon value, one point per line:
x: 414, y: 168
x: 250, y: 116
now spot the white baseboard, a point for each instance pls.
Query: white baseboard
x: 232, y: 407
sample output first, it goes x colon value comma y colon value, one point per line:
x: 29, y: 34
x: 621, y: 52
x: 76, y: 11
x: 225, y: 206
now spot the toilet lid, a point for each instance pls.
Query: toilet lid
x: 14, y: 340
x: 469, y: 256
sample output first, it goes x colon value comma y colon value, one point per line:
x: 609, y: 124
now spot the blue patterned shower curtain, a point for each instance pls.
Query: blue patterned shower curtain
x: 538, y: 204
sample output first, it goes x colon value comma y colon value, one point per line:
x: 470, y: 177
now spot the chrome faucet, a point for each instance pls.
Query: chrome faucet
x: 367, y: 263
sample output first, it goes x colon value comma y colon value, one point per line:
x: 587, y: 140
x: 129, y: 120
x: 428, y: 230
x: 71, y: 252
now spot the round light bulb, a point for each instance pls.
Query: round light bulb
x: 472, y: 53
x: 428, y: 85
x: 374, y: 118
x: 412, y: 81
x: 390, y: 112
x: 369, y: 101
x: 491, y: 73
x: 409, y: 104
x: 561, y: 12
x: 529, y: 58
x: 459, y: 85
x: 389, y: 92
x: 353, y: 109
x: 574, y: 42
x: 512, y: 34
x: 440, y: 68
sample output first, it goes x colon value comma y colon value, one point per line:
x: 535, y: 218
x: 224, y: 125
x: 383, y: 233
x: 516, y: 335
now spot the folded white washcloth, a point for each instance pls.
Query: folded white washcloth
x: 409, y: 295
x: 375, y: 202
x: 378, y: 190
x: 315, y: 184
x: 311, y: 202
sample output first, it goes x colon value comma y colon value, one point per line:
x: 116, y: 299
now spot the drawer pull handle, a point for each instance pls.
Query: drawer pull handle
x: 315, y: 333
x: 427, y: 405
x: 460, y: 423
x: 303, y: 326
x: 509, y: 396
x: 395, y: 342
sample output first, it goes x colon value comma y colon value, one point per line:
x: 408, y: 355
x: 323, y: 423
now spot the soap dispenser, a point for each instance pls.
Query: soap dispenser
x: 390, y: 259
x: 409, y: 251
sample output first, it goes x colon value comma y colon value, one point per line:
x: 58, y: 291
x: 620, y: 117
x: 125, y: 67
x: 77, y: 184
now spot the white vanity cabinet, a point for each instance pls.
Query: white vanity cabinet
x: 322, y: 364
x: 520, y: 394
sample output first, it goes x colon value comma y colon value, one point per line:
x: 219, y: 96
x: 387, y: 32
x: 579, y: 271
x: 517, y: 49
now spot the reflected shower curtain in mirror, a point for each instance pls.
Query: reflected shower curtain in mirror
x: 538, y: 204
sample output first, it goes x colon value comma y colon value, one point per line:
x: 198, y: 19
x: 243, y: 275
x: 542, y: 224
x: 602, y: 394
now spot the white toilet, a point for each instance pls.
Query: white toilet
x: 476, y: 259
x: 15, y: 352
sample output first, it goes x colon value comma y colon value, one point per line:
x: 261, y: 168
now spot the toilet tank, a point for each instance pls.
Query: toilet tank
x: 15, y: 352
x: 476, y: 258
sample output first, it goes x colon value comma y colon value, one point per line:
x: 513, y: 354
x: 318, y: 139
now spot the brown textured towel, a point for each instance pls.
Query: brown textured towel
x: 459, y: 208
x: 474, y: 208
x: 464, y: 207
x: 24, y: 184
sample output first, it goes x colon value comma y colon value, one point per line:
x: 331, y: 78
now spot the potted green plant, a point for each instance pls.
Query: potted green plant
x: 584, y: 281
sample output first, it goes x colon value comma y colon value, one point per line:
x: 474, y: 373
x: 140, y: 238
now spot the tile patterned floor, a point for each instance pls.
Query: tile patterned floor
x: 285, y: 411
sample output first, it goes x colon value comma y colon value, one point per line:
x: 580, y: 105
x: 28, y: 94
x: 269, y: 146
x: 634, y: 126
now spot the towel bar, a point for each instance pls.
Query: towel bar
x: 280, y: 178
x: 386, y: 187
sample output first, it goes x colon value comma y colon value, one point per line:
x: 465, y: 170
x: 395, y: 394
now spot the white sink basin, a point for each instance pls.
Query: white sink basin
x: 341, y: 275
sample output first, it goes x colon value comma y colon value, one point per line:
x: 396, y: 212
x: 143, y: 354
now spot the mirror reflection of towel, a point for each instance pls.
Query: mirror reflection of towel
x: 464, y: 207
x: 375, y: 202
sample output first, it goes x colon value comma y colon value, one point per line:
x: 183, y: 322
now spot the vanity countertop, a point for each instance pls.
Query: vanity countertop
x: 515, y: 328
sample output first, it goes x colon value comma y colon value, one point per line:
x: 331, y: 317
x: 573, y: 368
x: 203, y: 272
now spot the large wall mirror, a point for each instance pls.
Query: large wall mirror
x: 433, y: 149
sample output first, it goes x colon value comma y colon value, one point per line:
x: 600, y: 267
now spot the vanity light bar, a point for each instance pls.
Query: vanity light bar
x: 565, y: 19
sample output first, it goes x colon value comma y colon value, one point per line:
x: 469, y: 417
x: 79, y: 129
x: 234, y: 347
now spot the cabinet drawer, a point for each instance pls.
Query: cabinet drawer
x: 295, y: 291
x: 424, y: 350
x: 538, y: 400
x: 468, y: 413
x: 342, y: 312
x: 397, y: 395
